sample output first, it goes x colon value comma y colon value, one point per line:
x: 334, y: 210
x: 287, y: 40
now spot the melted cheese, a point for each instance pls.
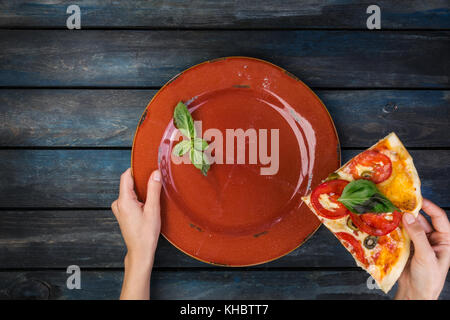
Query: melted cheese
x: 345, y: 174
x: 360, y: 169
x: 325, y: 202
x: 399, y: 188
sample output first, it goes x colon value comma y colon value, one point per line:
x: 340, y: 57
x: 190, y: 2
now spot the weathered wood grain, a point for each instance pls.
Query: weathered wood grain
x: 108, y: 118
x: 91, y: 239
x: 57, y: 239
x: 150, y: 58
x: 90, y: 178
x: 199, y: 285
x: 194, y: 285
x: 226, y: 14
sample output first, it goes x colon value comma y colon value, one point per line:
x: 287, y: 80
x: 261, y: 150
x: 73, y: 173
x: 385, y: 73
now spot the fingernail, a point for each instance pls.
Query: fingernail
x: 409, y: 218
x: 156, y: 176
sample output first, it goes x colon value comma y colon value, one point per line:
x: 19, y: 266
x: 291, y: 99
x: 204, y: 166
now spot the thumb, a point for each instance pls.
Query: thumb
x: 153, y: 192
x: 422, y: 248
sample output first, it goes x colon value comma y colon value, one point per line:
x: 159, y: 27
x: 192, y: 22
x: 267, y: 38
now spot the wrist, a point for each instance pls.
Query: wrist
x: 138, y: 262
x: 405, y: 294
x: 136, y: 282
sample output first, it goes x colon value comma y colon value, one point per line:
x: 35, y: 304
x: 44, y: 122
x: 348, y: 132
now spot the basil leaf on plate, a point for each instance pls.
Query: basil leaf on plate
x: 181, y: 148
x: 196, y: 158
x: 183, y: 121
x: 199, y: 160
x: 194, y: 145
x: 362, y: 196
x: 200, y: 144
x: 206, y: 165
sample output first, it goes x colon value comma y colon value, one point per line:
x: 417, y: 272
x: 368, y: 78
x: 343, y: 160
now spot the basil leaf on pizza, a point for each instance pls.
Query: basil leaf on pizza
x: 362, y: 196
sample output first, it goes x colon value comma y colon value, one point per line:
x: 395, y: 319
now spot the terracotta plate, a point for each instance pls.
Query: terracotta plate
x: 236, y: 216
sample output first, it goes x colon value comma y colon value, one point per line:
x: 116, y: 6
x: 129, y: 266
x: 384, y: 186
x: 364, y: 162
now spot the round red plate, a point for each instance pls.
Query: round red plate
x: 235, y: 216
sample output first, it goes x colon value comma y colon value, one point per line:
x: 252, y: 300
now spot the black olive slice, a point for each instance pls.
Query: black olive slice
x: 370, y: 242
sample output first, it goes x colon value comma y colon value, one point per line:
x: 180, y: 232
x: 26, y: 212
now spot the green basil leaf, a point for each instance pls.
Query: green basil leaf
x: 206, y: 165
x: 200, y: 144
x: 379, y: 203
x: 196, y: 158
x: 362, y: 196
x: 199, y: 160
x: 183, y: 120
x: 195, y: 146
x: 181, y: 148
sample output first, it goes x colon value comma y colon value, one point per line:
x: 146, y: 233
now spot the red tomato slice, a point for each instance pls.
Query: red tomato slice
x: 353, y: 245
x: 376, y: 224
x: 381, y: 166
x: 334, y: 190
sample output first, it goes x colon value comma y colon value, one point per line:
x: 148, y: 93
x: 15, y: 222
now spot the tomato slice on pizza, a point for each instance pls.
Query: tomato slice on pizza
x: 377, y: 224
x: 368, y: 221
x: 324, y: 199
x: 371, y: 165
x: 353, y: 245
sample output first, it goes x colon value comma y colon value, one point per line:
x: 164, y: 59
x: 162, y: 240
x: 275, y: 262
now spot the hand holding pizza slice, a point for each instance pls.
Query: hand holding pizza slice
x: 362, y: 203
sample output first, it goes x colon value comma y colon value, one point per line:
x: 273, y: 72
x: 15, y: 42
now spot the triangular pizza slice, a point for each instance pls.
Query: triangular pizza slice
x: 362, y: 204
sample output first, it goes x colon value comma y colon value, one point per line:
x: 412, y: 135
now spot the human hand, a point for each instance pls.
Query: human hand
x: 424, y: 275
x: 140, y: 225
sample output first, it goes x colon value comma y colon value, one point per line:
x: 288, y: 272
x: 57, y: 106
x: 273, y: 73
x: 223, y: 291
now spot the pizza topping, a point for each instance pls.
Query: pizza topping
x: 361, y: 196
x: 371, y: 165
x: 370, y: 242
x: 362, y: 171
x: 390, y: 248
x: 366, y: 174
x: 351, y: 225
x: 376, y: 224
x: 353, y: 246
x: 332, y: 176
x: 324, y: 199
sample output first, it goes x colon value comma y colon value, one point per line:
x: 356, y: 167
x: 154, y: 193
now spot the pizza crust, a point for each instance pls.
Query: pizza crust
x: 388, y: 281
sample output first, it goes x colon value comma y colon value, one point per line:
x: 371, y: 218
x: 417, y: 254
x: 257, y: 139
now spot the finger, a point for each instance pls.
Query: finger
x: 422, y: 248
x: 127, y: 186
x: 153, y: 192
x: 424, y: 223
x: 115, y: 208
x: 438, y: 216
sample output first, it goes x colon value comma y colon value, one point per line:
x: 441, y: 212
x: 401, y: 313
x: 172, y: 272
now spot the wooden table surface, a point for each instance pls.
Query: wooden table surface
x: 70, y: 101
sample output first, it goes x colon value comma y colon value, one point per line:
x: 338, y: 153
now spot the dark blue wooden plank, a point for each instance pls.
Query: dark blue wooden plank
x: 401, y: 14
x: 108, y: 118
x: 90, y: 178
x: 200, y: 285
x: 150, y: 58
x: 91, y: 239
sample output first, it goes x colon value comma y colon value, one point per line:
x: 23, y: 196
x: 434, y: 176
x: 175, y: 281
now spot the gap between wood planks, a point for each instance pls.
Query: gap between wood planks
x: 219, y: 28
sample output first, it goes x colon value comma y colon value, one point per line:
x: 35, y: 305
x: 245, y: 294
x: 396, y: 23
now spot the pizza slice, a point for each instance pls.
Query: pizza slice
x: 362, y: 203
